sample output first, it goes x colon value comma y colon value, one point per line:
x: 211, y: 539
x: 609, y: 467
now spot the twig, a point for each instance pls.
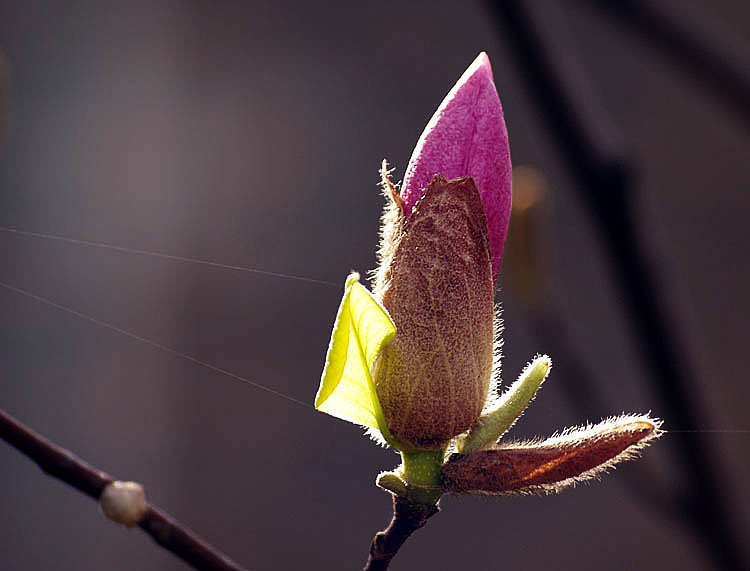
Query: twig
x: 536, y: 31
x: 408, y: 517
x: 65, y: 466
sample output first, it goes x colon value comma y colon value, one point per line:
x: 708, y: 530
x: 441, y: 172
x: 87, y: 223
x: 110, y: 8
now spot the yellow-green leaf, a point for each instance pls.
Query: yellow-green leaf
x: 361, y: 330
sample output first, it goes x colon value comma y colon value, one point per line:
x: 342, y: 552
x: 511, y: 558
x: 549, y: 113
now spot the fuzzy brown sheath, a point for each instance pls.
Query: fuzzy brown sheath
x: 543, y: 467
x: 433, y: 379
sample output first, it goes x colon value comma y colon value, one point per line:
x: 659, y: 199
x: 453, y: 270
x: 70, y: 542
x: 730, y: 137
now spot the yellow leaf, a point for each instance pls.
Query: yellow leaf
x: 361, y: 330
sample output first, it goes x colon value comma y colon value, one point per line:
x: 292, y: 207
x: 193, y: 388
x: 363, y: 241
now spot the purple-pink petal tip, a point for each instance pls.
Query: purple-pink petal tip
x: 467, y: 137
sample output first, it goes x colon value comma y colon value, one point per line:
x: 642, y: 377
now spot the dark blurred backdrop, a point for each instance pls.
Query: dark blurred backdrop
x: 251, y: 134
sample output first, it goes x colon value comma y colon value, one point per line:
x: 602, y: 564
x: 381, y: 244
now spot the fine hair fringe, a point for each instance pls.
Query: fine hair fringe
x: 391, y: 232
x: 493, y: 394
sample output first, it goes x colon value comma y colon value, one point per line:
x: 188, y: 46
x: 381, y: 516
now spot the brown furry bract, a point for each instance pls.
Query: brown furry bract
x: 436, y: 282
x: 550, y: 466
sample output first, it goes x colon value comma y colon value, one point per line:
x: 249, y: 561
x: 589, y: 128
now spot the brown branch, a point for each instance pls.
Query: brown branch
x: 65, y: 466
x: 408, y: 517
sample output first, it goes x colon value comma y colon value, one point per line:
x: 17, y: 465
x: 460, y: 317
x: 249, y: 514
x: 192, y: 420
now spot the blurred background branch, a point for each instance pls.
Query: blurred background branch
x: 587, y: 138
x: 717, y: 59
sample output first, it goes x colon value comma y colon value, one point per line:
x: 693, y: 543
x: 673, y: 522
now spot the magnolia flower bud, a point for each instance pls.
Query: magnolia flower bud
x: 433, y: 379
x: 414, y: 361
x: 442, y: 243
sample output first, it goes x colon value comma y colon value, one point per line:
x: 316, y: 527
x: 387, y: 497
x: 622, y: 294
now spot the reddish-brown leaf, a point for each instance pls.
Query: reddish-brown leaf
x: 550, y: 465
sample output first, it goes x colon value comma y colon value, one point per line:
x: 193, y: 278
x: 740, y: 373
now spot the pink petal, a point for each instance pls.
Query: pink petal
x: 467, y: 137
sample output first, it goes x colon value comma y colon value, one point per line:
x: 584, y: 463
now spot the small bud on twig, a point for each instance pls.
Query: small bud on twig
x: 124, y: 502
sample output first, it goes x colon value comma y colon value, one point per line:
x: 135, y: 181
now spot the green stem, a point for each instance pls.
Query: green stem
x: 421, y: 471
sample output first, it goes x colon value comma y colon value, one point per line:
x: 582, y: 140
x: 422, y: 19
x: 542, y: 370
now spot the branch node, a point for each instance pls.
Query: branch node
x: 124, y: 502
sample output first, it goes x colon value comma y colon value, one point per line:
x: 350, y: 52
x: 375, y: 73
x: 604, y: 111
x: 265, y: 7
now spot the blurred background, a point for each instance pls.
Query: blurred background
x: 250, y: 133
